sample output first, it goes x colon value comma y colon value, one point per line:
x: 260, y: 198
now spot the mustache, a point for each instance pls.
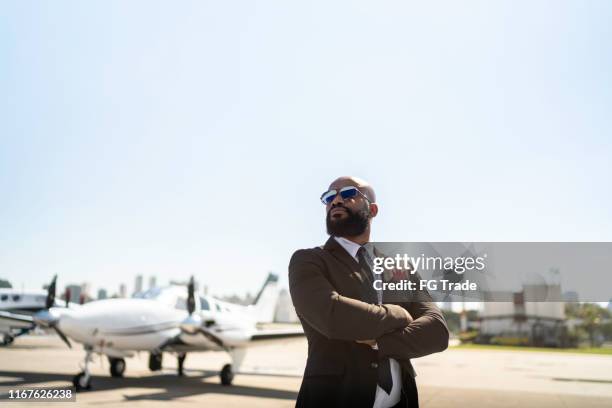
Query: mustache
x: 348, y: 210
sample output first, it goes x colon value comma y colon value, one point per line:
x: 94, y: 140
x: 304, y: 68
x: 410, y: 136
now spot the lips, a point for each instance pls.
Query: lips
x: 337, y: 211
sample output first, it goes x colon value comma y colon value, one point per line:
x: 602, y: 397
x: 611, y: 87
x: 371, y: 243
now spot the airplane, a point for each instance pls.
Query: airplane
x: 23, y: 304
x: 163, y: 320
x: 17, y: 308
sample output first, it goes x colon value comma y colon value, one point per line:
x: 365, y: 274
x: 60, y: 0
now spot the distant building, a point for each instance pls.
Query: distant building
x: 571, y: 297
x: 73, y: 292
x: 152, y: 282
x: 102, y: 294
x: 527, y: 323
x: 138, y: 284
x: 122, y: 290
x: 85, y: 296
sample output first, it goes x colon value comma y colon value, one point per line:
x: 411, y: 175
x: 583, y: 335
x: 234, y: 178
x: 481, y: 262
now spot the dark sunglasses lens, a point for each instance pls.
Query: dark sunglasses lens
x: 328, y: 197
x: 348, y: 193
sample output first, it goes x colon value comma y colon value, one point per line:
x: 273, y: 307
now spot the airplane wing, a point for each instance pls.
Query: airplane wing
x: 176, y: 344
x: 270, y: 334
x: 262, y: 336
x: 13, y: 321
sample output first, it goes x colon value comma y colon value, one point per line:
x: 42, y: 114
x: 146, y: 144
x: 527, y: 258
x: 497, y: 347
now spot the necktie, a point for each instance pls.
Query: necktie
x: 385, y: 381
x: 367, y: 274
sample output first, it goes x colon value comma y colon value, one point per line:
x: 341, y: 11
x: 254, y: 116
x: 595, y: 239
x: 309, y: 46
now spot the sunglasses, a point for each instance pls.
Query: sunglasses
x: 345, y: 192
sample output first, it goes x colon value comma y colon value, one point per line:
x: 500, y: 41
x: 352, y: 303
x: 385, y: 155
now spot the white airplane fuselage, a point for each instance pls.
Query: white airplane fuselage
x: 22, y: 302
x: 118, y: 326
x: 122, y: 324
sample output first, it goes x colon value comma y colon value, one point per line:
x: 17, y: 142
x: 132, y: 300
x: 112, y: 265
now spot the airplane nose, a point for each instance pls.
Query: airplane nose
x: 46, y: 318
x: 51, y: 319
x: 43, y: 318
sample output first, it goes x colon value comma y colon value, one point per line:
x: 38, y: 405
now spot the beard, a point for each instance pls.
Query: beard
x: 355, y: 223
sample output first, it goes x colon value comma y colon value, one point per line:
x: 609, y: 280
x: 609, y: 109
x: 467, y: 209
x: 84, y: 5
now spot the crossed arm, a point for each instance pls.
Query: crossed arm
x: 402, y: 332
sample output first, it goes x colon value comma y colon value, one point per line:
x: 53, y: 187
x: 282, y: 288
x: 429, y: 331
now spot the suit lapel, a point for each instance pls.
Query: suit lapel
x: 353, y: 268
x: 340, y: 254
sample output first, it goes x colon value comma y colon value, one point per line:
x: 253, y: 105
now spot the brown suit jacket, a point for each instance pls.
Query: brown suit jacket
x: 334, y: 303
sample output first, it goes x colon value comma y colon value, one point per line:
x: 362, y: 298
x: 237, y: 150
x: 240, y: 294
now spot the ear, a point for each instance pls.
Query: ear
x: 373, y: 209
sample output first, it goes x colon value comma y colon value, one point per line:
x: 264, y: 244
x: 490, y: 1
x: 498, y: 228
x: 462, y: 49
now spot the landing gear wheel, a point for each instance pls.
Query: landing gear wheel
x: 81, y: 381
x: 117, y: 366
x: 155, y: 362
x: 227, y: 375
x: 7, y: 339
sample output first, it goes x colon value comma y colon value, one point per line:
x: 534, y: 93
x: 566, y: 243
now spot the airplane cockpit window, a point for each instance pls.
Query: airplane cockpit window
x: 4, y: 298
x: 172, y: 296
x: 16, y: 298
x: 152, y: 293
x: 204, y: 304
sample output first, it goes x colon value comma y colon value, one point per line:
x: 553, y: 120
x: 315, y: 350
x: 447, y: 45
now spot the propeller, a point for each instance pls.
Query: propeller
x: 46, y: 317
x: 61, y: 334
x: 50, y: 301
x: 192, y: 323
x: 190, y: 296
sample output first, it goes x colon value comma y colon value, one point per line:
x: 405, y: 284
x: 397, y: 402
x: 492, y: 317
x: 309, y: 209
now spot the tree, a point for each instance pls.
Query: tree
x: 592, y: 316
x: 5, y: 284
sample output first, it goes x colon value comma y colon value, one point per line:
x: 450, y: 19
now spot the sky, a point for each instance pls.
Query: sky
x: 195, y: 138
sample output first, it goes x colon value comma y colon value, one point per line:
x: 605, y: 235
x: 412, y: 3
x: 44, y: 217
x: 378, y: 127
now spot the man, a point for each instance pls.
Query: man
x: 359, y: 350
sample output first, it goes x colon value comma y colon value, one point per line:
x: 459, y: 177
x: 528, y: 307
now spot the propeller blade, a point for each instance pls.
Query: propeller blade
x: 50, y: 301
x: 62, y: 336
x: 190, y: 296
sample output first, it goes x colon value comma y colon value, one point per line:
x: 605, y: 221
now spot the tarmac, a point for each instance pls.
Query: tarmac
x: 270, y: 377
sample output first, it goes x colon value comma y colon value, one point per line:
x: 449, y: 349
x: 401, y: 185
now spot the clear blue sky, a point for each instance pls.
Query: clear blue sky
x: 183, y: 138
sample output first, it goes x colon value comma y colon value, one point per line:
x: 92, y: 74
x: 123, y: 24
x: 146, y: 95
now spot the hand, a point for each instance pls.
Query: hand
x: 370, y: 343
x: 410, y: 319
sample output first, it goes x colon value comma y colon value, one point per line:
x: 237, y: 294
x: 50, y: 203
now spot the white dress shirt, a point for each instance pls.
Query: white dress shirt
x: 382, y: 399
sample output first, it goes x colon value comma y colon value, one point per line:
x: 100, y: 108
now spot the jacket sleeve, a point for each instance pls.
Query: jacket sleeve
x: 335, y: 316
x: 427, y: 334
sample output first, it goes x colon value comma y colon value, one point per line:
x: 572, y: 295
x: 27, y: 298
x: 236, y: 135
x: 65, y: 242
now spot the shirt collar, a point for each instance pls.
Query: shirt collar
x: 349, y: 246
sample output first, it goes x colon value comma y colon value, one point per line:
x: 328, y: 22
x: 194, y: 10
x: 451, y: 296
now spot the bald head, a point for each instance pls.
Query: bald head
x: 361, y: 184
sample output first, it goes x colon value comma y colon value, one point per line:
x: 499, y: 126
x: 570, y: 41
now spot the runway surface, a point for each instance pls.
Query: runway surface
x: 271, y: 375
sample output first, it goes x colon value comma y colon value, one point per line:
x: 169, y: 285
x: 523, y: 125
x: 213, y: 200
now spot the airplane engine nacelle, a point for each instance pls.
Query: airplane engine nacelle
x: 191, y: 324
